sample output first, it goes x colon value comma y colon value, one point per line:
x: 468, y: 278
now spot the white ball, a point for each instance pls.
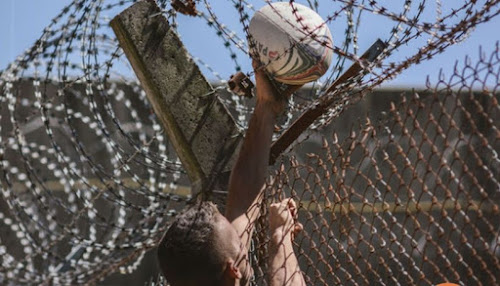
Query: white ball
x: 292, y: 41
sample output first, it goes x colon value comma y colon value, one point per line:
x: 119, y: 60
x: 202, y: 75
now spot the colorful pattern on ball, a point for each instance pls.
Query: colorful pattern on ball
x: 292, y: 41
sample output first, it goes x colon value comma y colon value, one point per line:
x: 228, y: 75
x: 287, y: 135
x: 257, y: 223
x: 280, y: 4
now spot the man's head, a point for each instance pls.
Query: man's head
x: 201, y: 247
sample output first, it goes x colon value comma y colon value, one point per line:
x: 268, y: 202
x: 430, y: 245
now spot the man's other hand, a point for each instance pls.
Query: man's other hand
x: 283, y: 219
x: 266, y: 91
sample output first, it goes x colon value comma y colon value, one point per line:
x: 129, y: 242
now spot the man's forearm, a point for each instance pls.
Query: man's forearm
x: 284, y: 266
x: 249, y: 173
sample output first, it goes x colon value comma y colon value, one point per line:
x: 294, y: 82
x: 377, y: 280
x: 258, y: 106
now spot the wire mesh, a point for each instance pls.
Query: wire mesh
x: 411, y: 200
x: 90, y: 183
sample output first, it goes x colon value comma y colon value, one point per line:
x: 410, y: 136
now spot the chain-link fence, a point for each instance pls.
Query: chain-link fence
x: 409, y: 196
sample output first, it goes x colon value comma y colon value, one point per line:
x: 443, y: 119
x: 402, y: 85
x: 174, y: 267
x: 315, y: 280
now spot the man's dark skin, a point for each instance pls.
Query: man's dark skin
x: 245, y: 196
x: 204, y: 247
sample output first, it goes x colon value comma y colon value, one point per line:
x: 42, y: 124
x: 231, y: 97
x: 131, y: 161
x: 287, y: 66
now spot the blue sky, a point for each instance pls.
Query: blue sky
x: 22, y: 22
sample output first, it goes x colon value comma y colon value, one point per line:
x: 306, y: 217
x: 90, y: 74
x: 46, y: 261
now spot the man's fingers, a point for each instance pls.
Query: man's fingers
x: 298, y: 227
x: 292, y: 206
x: 279, y: 209
x: 255, y: 64
x: 287, y: 204
x: 277, y: 206
x: 273, y: 205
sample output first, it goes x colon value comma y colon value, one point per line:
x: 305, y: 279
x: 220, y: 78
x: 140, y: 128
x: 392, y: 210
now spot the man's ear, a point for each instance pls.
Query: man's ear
x: 232, y: 270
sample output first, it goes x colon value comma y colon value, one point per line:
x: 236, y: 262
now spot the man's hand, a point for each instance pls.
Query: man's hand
x: 266, y: 91
x: 283, y: 219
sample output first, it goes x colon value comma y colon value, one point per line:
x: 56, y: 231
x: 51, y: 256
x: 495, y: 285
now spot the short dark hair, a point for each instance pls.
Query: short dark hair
x: 187, y: 252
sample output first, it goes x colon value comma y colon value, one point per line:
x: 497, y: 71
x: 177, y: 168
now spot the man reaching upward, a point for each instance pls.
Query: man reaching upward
x: 202, y: 247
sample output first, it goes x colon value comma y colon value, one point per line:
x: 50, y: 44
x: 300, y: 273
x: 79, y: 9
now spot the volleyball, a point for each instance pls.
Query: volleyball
x: 292, y: 41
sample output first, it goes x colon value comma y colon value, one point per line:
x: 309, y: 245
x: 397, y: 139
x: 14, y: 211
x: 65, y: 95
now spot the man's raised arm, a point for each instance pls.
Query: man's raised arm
x: 250, y: 170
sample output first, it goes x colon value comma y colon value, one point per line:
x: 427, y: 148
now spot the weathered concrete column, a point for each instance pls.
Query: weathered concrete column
x: 199, y: 126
